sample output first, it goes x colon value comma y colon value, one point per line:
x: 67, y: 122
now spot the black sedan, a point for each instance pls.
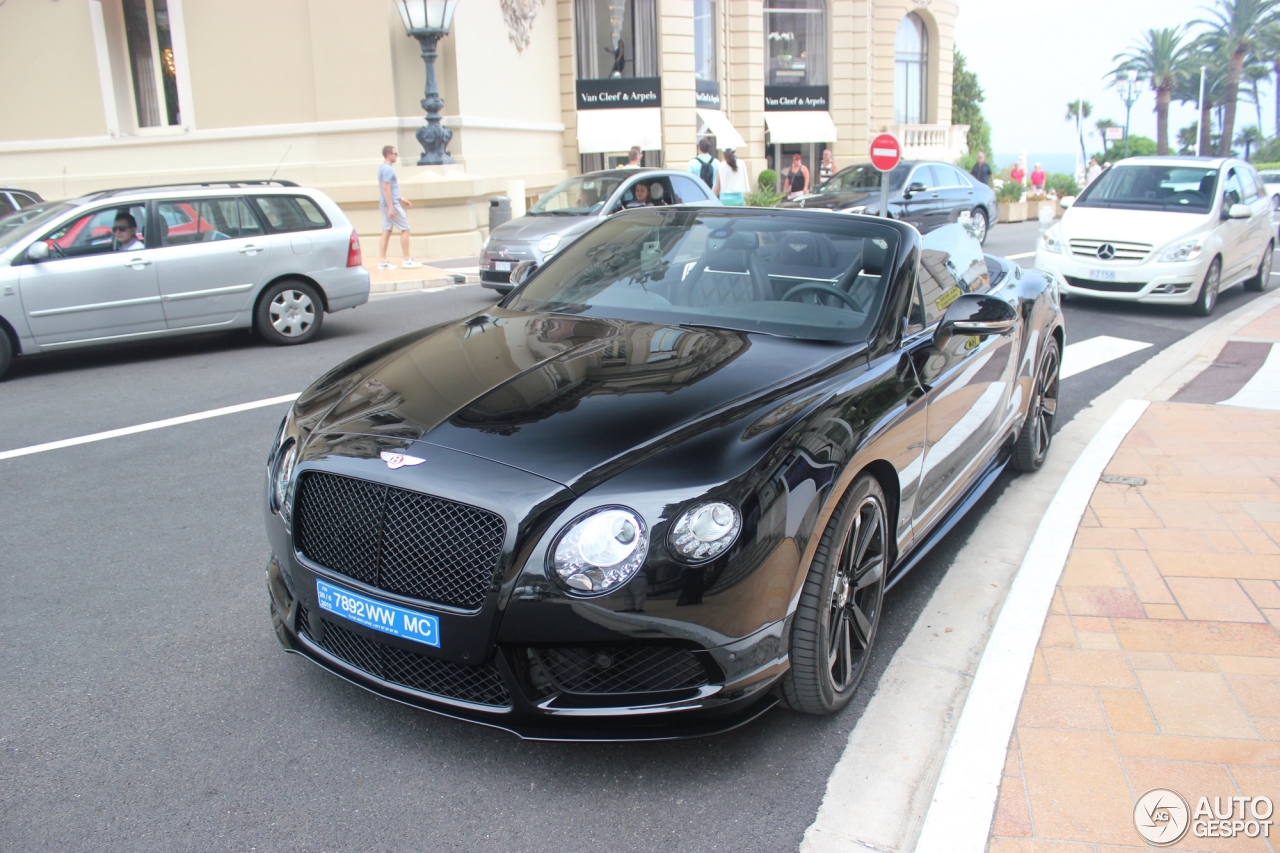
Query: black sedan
x: 664, y: 484
x: 926, y: 194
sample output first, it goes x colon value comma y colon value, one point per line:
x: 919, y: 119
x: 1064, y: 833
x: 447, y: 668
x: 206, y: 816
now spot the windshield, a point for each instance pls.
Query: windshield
x: 864, y: 177
x: 813, y: 276
x: 580, y: 196
x: 1270, y: 177
x: 1188, y: 189
x: 15, y: 226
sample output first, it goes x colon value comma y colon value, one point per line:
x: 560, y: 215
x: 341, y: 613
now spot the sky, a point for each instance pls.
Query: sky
x: 1032, y: 58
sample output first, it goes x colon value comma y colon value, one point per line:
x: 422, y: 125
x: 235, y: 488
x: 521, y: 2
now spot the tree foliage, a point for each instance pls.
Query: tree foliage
x: 966, y: 106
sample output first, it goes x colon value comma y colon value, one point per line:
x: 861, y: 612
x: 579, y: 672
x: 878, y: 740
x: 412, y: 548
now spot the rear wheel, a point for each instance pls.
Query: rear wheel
x: 979, y: 218
x: 289, y: 312
x: 1262, y: 280
x: 1204, y: 304
x: 839, y: 611
x: 6, y: 353
x: 1037, y: 430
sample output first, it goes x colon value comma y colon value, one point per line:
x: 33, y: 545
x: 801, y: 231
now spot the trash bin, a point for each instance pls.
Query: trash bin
x: 499, y: 211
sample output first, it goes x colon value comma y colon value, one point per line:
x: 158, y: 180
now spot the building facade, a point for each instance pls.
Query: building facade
x: 134, y: 92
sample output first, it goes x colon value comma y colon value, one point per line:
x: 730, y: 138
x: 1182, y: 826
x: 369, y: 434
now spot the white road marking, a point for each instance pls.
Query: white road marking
x: 168, y: 422
x: 1262, y: 391
x: 1088, y: 354
x: 1020, y: 256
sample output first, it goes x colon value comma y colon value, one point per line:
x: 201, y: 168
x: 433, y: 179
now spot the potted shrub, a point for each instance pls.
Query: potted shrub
x: 1012, y: 207
x: 1059, y: 186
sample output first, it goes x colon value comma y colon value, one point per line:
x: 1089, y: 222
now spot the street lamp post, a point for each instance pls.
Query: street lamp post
x: 1132, y: 88
x: 428, y: 21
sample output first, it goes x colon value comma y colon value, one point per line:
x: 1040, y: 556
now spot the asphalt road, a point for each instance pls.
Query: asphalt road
x: 147, y: 704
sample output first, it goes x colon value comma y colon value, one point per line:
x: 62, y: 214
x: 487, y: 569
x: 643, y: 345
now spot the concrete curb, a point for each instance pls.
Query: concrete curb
x: 959, y: 818
x: 421, y: 284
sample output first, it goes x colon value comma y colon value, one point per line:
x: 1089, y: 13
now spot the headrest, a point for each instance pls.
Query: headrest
x: 1206, y: 184
x: 740, y: 240
x: 874, y: 253
x: 805, y: 248
x: 656, y: 192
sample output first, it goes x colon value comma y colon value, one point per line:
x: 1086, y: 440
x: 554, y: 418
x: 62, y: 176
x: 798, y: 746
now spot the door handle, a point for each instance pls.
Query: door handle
x: 138, y: 262
x: 249, y: 248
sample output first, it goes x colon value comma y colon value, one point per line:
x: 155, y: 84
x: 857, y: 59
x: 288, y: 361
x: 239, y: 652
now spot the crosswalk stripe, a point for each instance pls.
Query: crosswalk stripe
x: 1088, y: 354
x: 1262, y: 391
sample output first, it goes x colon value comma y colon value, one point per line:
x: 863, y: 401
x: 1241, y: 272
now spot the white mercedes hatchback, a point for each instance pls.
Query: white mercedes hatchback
x: 1171, y: 230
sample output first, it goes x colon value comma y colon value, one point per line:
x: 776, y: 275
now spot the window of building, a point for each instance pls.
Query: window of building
x: 910, y: 71
x: 151, y: 62
x: 704, y: 39
x: 795, y: 42
x: 616, y: 38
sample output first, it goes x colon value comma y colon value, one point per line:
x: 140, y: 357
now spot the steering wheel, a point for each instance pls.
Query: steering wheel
x: 818, y: 287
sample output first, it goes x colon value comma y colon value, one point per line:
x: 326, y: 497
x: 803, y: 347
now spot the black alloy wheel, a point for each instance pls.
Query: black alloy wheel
x: 979, y: 219
x: 1208, y: 298
x: 1033, y: 442
x: 838, y: 615
x: 1262, y: 280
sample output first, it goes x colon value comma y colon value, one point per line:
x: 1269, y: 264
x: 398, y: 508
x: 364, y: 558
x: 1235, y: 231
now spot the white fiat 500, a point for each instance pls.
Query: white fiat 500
x: 1173, y: 230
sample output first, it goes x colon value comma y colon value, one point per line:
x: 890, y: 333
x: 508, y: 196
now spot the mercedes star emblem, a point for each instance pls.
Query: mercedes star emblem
x: 1106, y: 251
x: 399, y: 460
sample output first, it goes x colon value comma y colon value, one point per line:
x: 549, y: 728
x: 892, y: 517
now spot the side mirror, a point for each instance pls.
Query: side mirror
x: 523, y: 272
x: 975, y: 314
x: 1239, y: 211
x: 916, y: 187
x: 38, y: 251
x: 1066, y: 201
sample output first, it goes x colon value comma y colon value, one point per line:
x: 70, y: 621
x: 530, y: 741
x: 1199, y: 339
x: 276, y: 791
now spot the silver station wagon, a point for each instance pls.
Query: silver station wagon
x: 146, y: 262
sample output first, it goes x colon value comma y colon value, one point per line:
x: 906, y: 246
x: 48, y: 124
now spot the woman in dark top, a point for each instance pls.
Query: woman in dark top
x: 797, y: 177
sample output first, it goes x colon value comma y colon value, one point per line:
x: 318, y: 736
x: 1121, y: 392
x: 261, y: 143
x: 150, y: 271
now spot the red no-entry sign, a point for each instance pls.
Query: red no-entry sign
x: 886, y: 151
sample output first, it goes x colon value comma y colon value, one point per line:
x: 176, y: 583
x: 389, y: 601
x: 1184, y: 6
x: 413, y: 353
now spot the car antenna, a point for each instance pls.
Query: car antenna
x: 281, y: 163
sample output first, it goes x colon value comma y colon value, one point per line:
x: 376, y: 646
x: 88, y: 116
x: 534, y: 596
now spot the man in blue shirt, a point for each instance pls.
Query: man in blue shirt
x: 706, y: 166
x: 392, y: 207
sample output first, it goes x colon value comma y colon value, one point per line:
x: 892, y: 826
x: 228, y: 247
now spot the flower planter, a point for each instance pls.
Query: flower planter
x: 1034, y: 205
x: 1013, y: 211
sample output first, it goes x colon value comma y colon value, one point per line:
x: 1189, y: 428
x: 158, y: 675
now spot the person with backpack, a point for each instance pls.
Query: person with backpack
x: 706, y: 166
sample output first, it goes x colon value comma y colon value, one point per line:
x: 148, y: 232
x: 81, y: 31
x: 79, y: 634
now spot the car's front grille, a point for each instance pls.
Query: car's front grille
x: 1120, y: 250
x: 480, y: 685
x: 404, y: 542
x: 1106, y: 286
x: 620, y: 669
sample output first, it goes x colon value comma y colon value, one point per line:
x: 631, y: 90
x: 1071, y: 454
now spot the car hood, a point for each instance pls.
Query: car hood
x: 571, y: 399
x: 531, y: 229
x: 820, y: 201
x: 1131, y: 226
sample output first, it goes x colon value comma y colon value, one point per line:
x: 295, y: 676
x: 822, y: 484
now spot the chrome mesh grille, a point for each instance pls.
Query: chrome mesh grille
x: 404, y: 542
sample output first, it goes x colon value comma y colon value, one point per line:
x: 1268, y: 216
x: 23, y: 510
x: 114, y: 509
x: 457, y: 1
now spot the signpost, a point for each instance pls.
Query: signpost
x: 886, y: 153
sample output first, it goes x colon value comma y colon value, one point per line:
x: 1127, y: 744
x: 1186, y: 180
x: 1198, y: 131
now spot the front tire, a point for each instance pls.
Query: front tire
x: 836, y: 621
x: 978, y: 217
x: 289, y: 312
x: 1262, y: 280
x: 6, y: 353
x: 1208, y: 298
x: 1033, y: 442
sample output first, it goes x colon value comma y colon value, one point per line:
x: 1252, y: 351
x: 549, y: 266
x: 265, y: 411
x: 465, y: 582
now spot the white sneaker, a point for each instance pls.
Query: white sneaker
x: 386, y: 265
x: 410, y: 263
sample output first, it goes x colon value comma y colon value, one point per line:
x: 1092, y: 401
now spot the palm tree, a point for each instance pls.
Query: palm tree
x: 1270, y: 49
x: 1078, y: 111
x: 1236, y: 31
x: 1249, y: 137
x: 1202, y: 55
x: 1187, y: 138
x: 1161, y: 57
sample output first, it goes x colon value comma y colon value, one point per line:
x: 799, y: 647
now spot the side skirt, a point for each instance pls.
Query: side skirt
x: 988, y: 476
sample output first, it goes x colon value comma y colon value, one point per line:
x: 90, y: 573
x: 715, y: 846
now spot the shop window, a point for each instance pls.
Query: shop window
x: 704, y: 39
x: 910, y: 71
x: 151, y: 63
x: 616, y: 38
x: 795, y: 42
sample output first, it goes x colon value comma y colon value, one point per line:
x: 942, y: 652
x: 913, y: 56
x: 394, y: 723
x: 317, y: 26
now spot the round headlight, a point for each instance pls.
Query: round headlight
x: 281, y: 476
x: 600, y: 551
x: 549, y: 243
x: 706, y: 531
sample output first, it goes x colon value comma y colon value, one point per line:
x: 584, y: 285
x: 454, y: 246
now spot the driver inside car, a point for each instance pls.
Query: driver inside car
x: 642, y: 197
x: 125, y: 232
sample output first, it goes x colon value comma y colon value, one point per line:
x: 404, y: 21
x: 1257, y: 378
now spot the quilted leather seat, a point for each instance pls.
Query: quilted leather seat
x: 730, y: 273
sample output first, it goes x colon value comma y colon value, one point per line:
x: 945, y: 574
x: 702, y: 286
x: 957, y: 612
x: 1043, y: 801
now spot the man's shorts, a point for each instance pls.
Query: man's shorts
x: 395, y: 217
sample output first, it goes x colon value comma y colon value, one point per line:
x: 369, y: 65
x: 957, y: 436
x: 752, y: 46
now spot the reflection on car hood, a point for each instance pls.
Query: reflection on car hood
x: 530, y: 229
x: 565, y: 397
x: 834, y: 199
x: 1156, y: 227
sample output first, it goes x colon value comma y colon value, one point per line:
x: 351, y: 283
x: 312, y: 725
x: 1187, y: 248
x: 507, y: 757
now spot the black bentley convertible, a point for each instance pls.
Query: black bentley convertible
x: 665, y: 483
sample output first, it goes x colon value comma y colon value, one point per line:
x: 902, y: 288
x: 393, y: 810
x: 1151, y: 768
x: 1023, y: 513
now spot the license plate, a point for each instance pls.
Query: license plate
x: 380, y: 616
x: 502, y: 266
x: 1102, y: 275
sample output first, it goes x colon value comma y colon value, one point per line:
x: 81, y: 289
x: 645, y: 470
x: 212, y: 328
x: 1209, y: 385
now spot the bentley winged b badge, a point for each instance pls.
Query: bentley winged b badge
x: 399, y: 460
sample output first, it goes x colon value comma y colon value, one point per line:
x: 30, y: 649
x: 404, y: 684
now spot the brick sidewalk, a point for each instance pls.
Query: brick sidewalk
x: 1159, y: 664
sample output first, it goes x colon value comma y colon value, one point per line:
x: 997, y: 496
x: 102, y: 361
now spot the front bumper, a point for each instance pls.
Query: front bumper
x: 1148, y: 281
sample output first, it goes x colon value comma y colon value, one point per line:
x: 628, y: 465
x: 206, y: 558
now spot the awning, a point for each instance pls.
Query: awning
x: 788, y: 127
x: 719, y: 126
x: 610, y: 131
